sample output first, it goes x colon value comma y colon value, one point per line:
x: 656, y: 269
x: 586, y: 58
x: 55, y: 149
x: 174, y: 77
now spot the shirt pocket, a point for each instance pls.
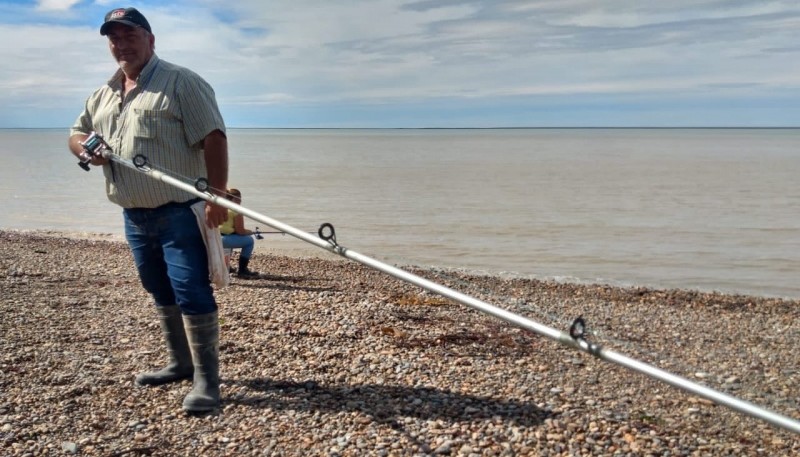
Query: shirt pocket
x: 155, y: 123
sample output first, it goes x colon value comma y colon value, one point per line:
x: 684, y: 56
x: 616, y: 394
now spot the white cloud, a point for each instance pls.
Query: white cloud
x: 55, y: 5
x: 49, y: 61
x: 452, y: 53
x: 285, y: 53
x: 624, y: 14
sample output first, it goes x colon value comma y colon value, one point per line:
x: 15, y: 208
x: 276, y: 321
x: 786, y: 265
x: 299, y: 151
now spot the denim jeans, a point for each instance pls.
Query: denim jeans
x: 243, y: 242
x: 171, y: 257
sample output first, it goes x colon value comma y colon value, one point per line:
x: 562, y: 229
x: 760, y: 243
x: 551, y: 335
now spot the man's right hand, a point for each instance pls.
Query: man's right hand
x: 75, y: 147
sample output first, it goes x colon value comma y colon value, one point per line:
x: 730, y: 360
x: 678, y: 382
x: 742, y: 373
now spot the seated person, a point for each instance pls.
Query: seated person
x: 235, y: 236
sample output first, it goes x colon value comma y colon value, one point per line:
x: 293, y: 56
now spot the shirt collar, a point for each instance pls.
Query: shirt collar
x: 116, y: 81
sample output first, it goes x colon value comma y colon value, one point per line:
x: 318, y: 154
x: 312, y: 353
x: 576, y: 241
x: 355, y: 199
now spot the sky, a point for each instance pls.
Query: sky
x: 428, y: 63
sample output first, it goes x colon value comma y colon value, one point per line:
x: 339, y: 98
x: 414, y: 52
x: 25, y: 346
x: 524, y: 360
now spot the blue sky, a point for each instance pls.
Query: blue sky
x: 426, y: 63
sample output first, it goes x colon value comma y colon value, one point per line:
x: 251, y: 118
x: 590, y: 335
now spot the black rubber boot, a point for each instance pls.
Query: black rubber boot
x: 244, y: 272
x: 180, y: 358
x: 203, y: 333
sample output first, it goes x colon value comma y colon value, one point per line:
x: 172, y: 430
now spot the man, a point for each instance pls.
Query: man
x: 168, y: 114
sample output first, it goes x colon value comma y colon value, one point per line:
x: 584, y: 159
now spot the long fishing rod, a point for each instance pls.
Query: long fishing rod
x: 326, y: 239
x: 258, y: 233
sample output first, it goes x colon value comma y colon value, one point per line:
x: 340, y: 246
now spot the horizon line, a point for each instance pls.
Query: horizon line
x: 479, y: 128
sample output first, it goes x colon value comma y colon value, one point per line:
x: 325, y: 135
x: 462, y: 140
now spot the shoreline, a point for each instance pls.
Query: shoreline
x: 286, y: 245
x: 324, y: 356
x: 299, y: 251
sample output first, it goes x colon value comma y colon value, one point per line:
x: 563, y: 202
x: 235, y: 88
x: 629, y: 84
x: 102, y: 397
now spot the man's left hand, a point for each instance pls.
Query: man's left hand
x: 215, y: 215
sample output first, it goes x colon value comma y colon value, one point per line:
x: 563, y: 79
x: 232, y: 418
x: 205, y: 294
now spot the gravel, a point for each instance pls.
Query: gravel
x: 328, y: 357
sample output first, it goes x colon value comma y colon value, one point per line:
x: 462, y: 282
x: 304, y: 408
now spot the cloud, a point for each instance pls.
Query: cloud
x: 473, y: 49
x: 39, y: 70
x: 55, y: 5
x: 306, y: 53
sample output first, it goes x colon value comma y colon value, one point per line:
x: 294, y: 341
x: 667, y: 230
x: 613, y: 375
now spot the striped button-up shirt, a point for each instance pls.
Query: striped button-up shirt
x: 164, y: 118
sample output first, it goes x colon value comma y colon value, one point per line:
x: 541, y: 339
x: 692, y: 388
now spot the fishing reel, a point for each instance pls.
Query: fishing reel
x: 93, y: 146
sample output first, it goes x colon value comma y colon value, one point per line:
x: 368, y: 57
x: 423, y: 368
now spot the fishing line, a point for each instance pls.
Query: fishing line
x: 575, y: 339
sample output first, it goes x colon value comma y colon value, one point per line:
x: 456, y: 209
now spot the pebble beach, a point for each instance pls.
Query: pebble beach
x: 323, y: 356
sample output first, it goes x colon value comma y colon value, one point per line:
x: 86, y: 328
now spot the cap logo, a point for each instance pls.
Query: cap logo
x: 117, y: 14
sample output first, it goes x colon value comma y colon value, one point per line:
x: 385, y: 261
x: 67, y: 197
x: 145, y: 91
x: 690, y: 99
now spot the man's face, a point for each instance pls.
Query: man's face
x: 131, y: 47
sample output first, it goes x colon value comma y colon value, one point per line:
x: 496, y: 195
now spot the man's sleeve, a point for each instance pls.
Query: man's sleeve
x: 83, y: 124
x: 198, y: 107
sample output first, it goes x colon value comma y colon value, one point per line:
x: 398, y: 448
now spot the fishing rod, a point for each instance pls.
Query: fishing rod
x: 575, y: 338
x: 258, y: 233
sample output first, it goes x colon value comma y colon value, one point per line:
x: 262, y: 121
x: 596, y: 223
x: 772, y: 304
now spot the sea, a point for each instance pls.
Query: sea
x: 702, y: 209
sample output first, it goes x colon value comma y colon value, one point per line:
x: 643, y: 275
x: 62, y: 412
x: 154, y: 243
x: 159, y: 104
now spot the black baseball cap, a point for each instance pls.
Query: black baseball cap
x: 127, y: 16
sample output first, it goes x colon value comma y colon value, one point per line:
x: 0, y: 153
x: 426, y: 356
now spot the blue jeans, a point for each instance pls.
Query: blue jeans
x: 171, y: 257
x: 243, y: 242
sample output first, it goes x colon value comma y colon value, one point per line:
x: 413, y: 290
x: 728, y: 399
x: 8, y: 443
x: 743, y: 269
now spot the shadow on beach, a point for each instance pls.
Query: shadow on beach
x: 278, y: 282
x: 386, y: 403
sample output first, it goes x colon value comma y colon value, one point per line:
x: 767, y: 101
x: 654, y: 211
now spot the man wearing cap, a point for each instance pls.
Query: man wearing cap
x: 168, y: 114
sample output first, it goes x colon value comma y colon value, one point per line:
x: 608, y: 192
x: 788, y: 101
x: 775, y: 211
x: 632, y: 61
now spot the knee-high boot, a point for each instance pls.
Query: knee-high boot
x: 244, y: 271
x: 203, y: 333
x: 180, y: 358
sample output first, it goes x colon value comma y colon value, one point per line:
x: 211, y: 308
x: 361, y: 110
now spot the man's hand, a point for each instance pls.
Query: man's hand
x: 99, y: 160
x: 76, y: 149
x: 215, y: 215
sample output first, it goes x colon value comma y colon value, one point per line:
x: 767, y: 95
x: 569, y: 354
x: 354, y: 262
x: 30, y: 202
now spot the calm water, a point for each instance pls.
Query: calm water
x: 702, y: 209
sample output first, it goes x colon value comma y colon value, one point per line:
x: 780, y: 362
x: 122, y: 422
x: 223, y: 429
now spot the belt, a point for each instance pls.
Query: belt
x: 169, y: 205
x: 185, y: 204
